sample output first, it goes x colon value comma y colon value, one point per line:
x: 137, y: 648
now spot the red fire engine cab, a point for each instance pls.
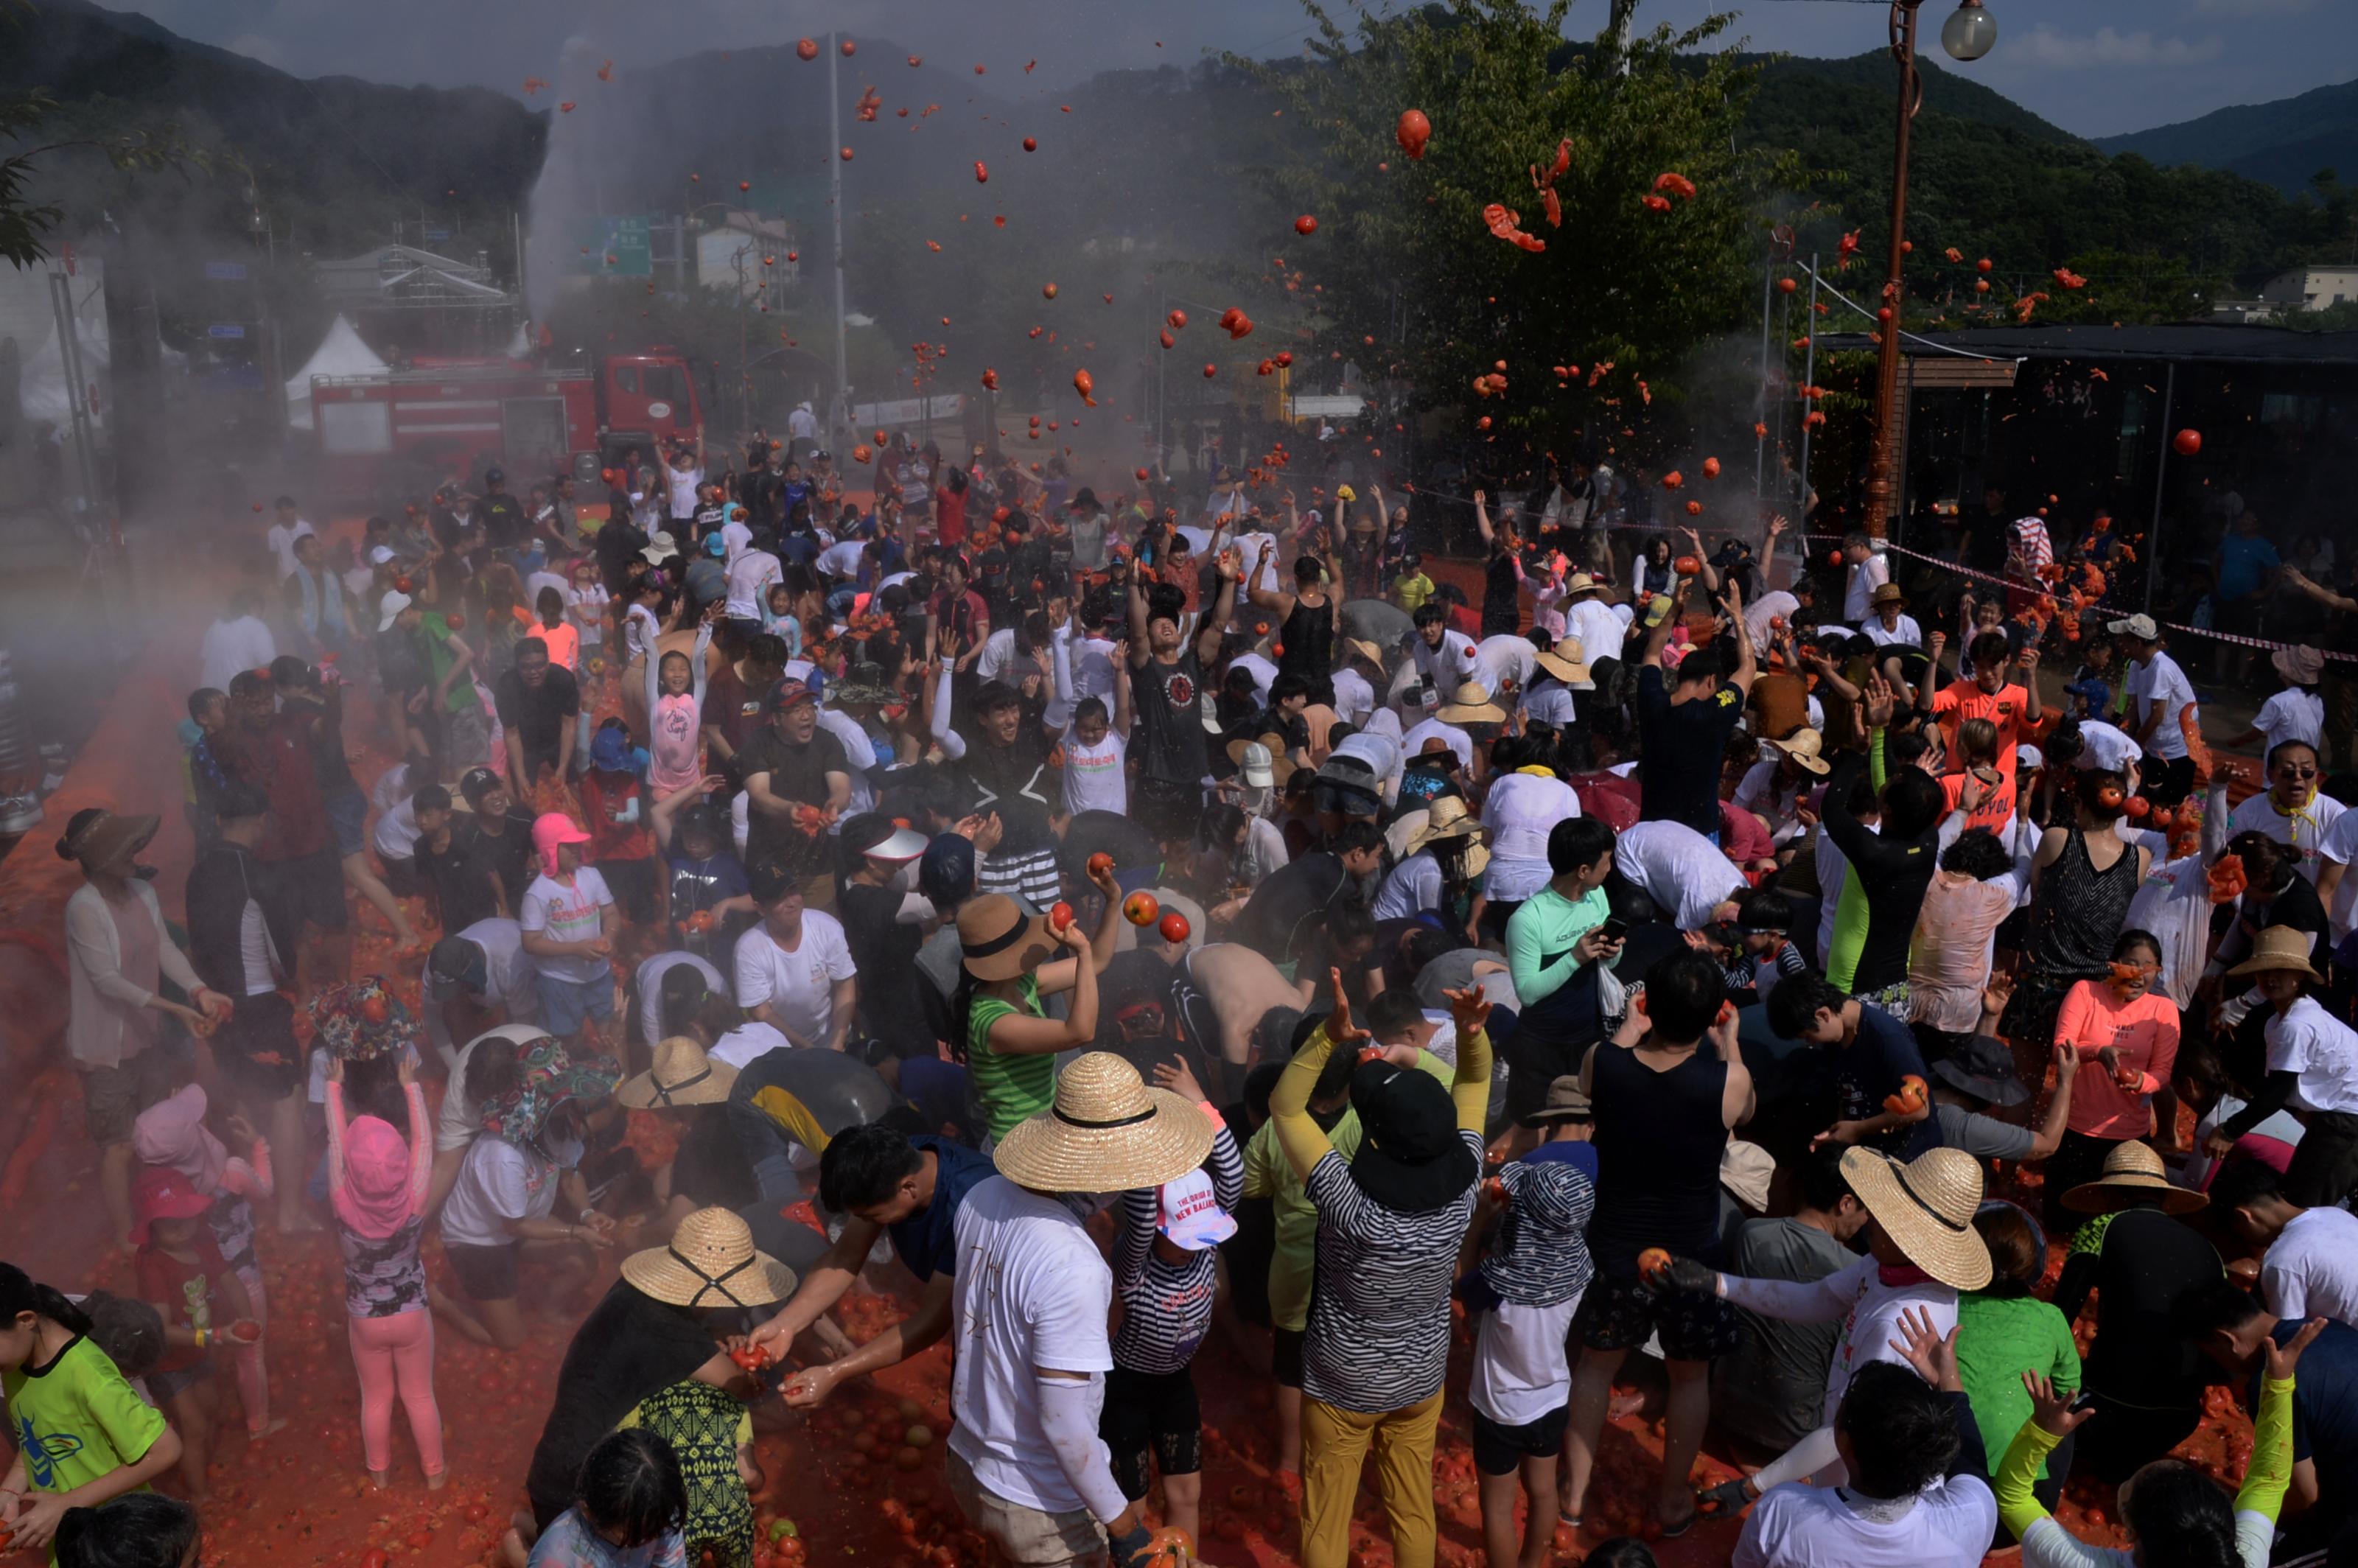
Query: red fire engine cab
x: 402, y: 433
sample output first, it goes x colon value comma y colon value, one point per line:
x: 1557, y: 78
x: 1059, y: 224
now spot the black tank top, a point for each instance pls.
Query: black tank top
x: 1659, y: 1139
x: 1309, y: 638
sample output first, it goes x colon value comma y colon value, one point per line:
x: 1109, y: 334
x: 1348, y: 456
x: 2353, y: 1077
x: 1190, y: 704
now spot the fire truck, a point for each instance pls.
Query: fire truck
x: 396, y: 435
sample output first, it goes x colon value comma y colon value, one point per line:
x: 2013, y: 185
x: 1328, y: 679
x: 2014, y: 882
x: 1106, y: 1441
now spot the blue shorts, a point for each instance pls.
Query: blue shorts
x: 347, y: 819
x: 565, y: 1004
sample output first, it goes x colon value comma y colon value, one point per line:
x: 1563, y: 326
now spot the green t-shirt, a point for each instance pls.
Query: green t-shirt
x: 705, y: 1427
x: 462, y: 697
x: 1998, y: 1339
x: 1008, y: 1086
x: 76, y: 1419
x: 1293, y: 1265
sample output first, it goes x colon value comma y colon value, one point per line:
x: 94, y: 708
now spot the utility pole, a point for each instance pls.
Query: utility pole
x: 834, y: 202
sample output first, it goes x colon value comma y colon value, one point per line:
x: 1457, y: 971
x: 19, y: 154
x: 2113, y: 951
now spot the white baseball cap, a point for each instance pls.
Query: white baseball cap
x: 1258, y: 772
x: 393, y: 602
x: 1188, y: 1213
x: 379, y: 555
x: 2141, y: 627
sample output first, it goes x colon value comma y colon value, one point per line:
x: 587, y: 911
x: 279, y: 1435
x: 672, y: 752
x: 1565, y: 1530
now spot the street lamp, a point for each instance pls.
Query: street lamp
x: 1967, y: 36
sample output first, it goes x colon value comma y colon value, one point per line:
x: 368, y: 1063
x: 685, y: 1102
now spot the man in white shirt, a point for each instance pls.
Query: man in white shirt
x: 283, y: 534
x: 2292, y: 810
x: 750, y: 575
x: 1599, y: 627
x: 472, y: 978
x: 1682, y: 871
x: 795, y: 970
x: 2105, y: 746
x: 802, y: 425
x: 1870, y: 568
x: 1356, y: 682
x: 2308, y: 1266
x: 682, y: 480
x: 239, y: 639
x: 736, y: 532
x: 1508, y: 661
x: 1445, y: 659
x: 1031, y: 1296
x: 2159, y: 695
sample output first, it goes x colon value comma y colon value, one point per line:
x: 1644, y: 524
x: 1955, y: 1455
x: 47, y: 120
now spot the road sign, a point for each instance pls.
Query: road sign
x: 225, y: 330
x: 225, y: 272
x: 611, y: 247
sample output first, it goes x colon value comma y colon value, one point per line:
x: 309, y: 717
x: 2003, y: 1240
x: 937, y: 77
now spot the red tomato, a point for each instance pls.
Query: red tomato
x: 1141, y: 909
x: 1101, y: 862
x: 808, y: 49
x: 1412, y: 131
x: 1305, y: 224
x: 2187, y: 442
x: 1060, y: 917
x: 1175, y: 928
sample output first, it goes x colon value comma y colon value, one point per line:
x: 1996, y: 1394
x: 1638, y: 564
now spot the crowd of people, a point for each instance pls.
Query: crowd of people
x: 1670, y: 962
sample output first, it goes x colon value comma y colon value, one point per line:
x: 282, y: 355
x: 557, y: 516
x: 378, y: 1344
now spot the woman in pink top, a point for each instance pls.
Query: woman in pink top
x: 2127, y: 1032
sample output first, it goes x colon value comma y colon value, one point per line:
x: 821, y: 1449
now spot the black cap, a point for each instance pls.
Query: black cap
x: 495, y: 476
x: 477, y: 782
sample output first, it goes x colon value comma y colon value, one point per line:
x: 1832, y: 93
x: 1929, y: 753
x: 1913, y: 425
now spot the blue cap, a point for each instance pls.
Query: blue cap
x: 946, y: 874
x: 2096, y: 693
x: 611, y: 751
x: 714, y: 545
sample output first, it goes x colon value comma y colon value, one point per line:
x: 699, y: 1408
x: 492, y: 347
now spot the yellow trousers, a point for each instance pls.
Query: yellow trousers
x: 1334, y: 1444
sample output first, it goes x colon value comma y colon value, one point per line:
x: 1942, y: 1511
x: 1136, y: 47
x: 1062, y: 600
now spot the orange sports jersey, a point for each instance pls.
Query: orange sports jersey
x: 1961, y: 700
x: 1995, y: 809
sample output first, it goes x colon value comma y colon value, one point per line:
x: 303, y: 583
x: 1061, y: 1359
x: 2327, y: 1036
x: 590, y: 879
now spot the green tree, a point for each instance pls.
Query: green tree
x: 1411, y: 279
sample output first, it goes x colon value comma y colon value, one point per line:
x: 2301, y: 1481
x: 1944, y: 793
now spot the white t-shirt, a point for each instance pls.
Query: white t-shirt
x: 750, y: 1040
x: 750, y: 575
x: 1801, y: 1526
x: 458, y: 1121
x: 1354, y: 697
x: 2304, y: 830
x: 2311, y: 1270
x: 588, y: 606
x: 648, y: 981
x: 1450, y: 666
x: 2174, y: 904
x: 567, y: 914
x: 1413, y: 886
x: 1598, y: 627
x: 510, y: 980
x: 1858, y: 595
x: 1520, y: 1370
x: 497, y: 1183
x: 842, y: 560
x: 998, y: 651
x: 282, y: 545
x: 1507, y: 656
x: 1032, y: 1290
x: 1264, y: 674
x: 1903, y: 633
x: 2340, y: 845
x: 1412, y: 743
x: 1522, y: 810
x: 736, y: 539
x: 2291, y: 714
x: 860, y: 752
x: 231, y: 647
x: 1094, y: 780
x: 1550, y: 702
x: 1769, y: 605
x: 395, y: 834
x: 799, y: 987
x: 682, y: 485
x: 1682, y: 871
x: 2109, y: 747
x: 2307, y: 1040
x: 2160, y: 680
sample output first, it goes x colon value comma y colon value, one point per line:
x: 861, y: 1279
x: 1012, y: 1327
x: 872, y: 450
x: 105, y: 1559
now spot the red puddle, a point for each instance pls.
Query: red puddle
x: 300, y: 1498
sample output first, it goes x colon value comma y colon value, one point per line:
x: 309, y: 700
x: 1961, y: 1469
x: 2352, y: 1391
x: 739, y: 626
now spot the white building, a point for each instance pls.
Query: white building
x: 2312, y: 287
x: 751, y: 257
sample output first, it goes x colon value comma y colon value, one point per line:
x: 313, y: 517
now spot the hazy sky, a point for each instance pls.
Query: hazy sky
x: 2095, y: 67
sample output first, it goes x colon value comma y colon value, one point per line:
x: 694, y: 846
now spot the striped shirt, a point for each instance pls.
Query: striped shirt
x: 1378, y: 1337
x: 1538, y: 1256
x: 1166, y: 1307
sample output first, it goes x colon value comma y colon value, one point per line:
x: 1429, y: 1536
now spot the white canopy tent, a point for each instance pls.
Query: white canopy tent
x: 342, y: 352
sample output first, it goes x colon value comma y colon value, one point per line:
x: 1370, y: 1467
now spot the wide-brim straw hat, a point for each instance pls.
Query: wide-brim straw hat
x: 1569, y: 671
x: 711, y: 1262
x: 1108, y: 1132
x: 1472, y: 705
x: 1581, y: 583
x: 1446, y: 817
x: 683, y: 1075
x: 998, y: 941
x: 108, y: 834
x: 1807, y: 748
x: 1888, y: 593
x: 2279, y: 947
x: 2131, y: 1171
x: 1927, y: 1208
x: 1359, y: 647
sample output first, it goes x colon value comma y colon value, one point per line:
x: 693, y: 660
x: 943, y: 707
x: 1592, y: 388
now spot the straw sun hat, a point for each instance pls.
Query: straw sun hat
x: 1108, y: 1132
x: 711, y: 1262
x: 682, y: 1075
x: 1927, y: 1208
x: 1805, y: 747
x: 1472, y: 705
x: 998, y: 941
x: 1569, y: 670
x: 2278, y: 948
x: 2132, y: 1170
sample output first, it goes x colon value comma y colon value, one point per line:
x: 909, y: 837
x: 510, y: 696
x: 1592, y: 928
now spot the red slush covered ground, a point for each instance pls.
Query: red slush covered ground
x: 300, y: 1498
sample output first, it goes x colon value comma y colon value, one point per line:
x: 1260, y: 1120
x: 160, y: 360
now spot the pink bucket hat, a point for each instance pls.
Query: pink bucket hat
x: 550, y: 829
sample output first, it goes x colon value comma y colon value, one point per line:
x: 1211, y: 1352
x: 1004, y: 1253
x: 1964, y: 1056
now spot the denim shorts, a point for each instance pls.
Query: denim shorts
x: 348, y: 820
x: 566, y: 1004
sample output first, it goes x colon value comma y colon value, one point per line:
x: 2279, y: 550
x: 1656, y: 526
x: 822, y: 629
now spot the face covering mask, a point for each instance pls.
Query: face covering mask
x: 565, y: 1151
